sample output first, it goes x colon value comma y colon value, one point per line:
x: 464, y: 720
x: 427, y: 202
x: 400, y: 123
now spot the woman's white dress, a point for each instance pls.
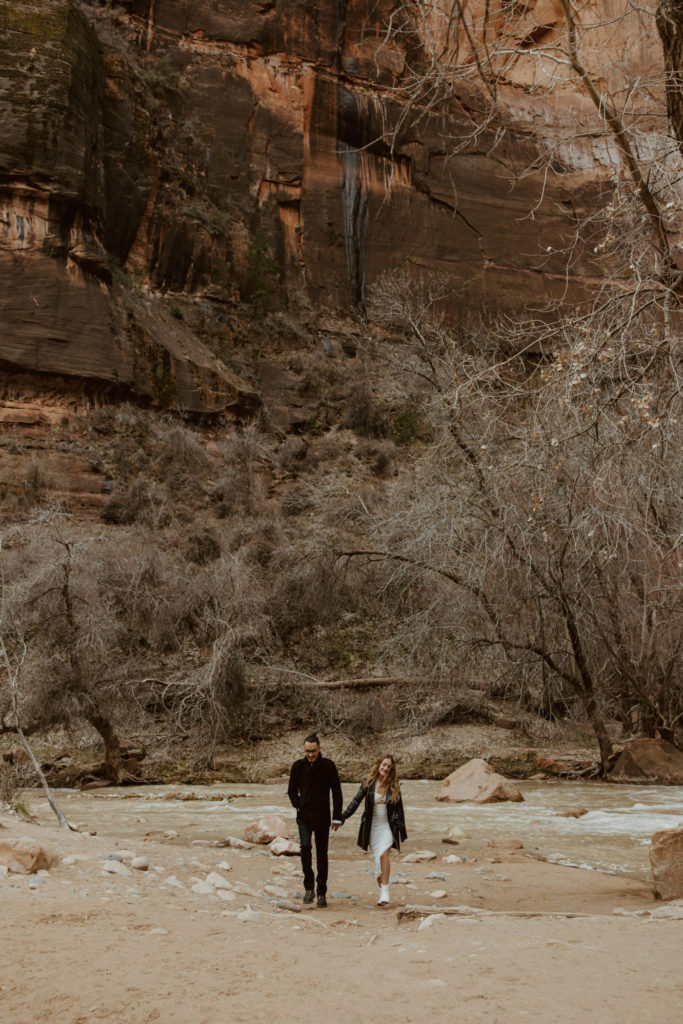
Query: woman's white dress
x: 381, y: 838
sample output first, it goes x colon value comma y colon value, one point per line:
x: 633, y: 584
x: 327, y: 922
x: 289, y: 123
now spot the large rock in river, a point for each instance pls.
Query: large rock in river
x: 476, y: 782
x: 649, y: 760
x: 666, y: 863
x: 25, y: 856
x: 267, y: 828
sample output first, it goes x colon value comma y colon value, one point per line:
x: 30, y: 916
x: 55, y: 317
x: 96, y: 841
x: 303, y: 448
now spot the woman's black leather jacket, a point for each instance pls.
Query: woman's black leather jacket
x: 395, y: 816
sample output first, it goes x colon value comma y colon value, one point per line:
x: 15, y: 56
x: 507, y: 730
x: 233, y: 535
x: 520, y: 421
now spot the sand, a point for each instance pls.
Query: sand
x: 531, y: 941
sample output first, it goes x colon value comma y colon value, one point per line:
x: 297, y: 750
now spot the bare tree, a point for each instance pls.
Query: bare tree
x: 11, y: 719
x: 549, y: 504
x: 123, y: 624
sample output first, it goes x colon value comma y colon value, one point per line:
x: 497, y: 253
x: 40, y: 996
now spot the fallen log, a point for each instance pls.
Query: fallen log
x: 412, y: 912
x: 355, y: 684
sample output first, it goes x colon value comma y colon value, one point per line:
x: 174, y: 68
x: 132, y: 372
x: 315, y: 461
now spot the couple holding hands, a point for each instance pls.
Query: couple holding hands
x: 312, y: 780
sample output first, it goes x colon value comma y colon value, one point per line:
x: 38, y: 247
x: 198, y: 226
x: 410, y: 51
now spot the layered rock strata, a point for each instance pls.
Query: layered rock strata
x: 230, y: 151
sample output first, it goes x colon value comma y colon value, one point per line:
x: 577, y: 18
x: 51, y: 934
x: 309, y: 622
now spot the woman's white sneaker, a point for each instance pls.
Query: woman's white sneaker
x: 383, y: 896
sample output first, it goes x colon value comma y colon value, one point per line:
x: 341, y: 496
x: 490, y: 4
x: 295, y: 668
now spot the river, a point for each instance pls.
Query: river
x: 613, y: 835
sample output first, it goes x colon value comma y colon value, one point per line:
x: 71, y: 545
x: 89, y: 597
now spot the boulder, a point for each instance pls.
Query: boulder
x: 666, y: 863
x: 506, y: 844
x: 281, y: 847
x: 266, y: 829
x: 649, y: 760
x: 235, y: 843
x: 418, y: 857
x: 25, y: 856
x: 476, y: 782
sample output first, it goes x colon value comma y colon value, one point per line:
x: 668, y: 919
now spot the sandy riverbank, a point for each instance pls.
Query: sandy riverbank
x: 82, y: 946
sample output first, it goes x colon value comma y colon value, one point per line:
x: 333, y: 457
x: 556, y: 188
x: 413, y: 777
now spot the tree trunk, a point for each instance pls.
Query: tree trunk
x: 112, y: 748
x: 602, y: 736
x: 670, y: 27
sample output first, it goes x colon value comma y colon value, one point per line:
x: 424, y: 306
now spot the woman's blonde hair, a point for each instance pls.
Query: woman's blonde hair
x: 393, y: 788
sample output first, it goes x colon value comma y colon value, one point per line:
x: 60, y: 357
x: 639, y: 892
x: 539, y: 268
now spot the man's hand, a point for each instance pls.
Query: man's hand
x: 336, y: 825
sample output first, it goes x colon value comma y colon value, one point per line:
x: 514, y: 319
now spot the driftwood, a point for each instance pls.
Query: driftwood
x: 355, y: 684
x: 411, y: 913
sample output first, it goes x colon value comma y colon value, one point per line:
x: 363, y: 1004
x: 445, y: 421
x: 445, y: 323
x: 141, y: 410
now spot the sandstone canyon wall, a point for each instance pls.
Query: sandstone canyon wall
x: 157, y: 149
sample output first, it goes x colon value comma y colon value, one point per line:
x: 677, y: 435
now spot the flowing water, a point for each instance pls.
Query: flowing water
x: 613, y: 835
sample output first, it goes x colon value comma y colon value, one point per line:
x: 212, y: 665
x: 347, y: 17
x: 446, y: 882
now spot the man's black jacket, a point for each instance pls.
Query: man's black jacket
x: 310, y: 785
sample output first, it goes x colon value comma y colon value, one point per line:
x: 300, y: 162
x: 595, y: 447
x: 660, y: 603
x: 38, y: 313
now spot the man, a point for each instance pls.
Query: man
x: 311, y: 781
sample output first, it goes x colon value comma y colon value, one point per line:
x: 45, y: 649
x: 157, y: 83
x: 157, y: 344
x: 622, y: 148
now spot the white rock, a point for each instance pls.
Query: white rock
x: 276, y: 890
x: 237, y: 844
x: 203, y: 888
x: 116, y: 867
x: 244, y: 890
x: 429, y: 921
x: 455, y: 835
x: 224, y: 866
x: 158, y: 931
x: 217, y: 881
x: 171, y: 834
x: 140, y: 863
x: 284, y: 848
x: 172, y: 880
x: 418, y: 857
x: 75, y: 858
x: 439, y: 894
x: 223, y: 894
x: 452, y: 859
x: 250, y: 915
x: 126, y: 855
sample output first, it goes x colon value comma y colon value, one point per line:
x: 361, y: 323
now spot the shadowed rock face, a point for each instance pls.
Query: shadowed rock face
x: 155, y: 148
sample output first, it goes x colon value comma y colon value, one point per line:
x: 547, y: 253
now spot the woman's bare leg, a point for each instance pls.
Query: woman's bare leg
x: 385, y: 864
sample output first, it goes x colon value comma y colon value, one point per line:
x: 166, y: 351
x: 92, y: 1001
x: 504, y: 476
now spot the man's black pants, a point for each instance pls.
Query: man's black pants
x: 321, y: 831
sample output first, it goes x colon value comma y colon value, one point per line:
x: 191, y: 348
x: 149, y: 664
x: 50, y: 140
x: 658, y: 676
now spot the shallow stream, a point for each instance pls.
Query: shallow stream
x: 613, y: 835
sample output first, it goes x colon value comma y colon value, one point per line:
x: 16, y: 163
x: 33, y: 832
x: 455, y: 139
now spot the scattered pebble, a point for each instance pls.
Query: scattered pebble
x: 218, y: 882
x: 252, y: 916
x: 116, y: 867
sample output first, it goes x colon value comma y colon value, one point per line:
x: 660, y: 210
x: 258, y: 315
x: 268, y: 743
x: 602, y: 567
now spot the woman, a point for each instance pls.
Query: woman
x: 383, y: 824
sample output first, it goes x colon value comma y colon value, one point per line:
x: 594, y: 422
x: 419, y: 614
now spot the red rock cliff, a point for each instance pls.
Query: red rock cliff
x: 156, y: 148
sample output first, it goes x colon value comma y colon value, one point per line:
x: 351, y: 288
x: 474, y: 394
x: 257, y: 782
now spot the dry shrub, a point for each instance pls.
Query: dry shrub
x: 246, y: 456
x: 121, y: 419
x: 257, y: 544
x: 35, y: 482
x: 297, y: 500
x: 380, y: 456
x: 291, y: 455
x: 363, y: 414
x: 182, y: 457
x: 139, y: 502
x: 16, y: 777
x: 202, y: 547
x: 308, y: 589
